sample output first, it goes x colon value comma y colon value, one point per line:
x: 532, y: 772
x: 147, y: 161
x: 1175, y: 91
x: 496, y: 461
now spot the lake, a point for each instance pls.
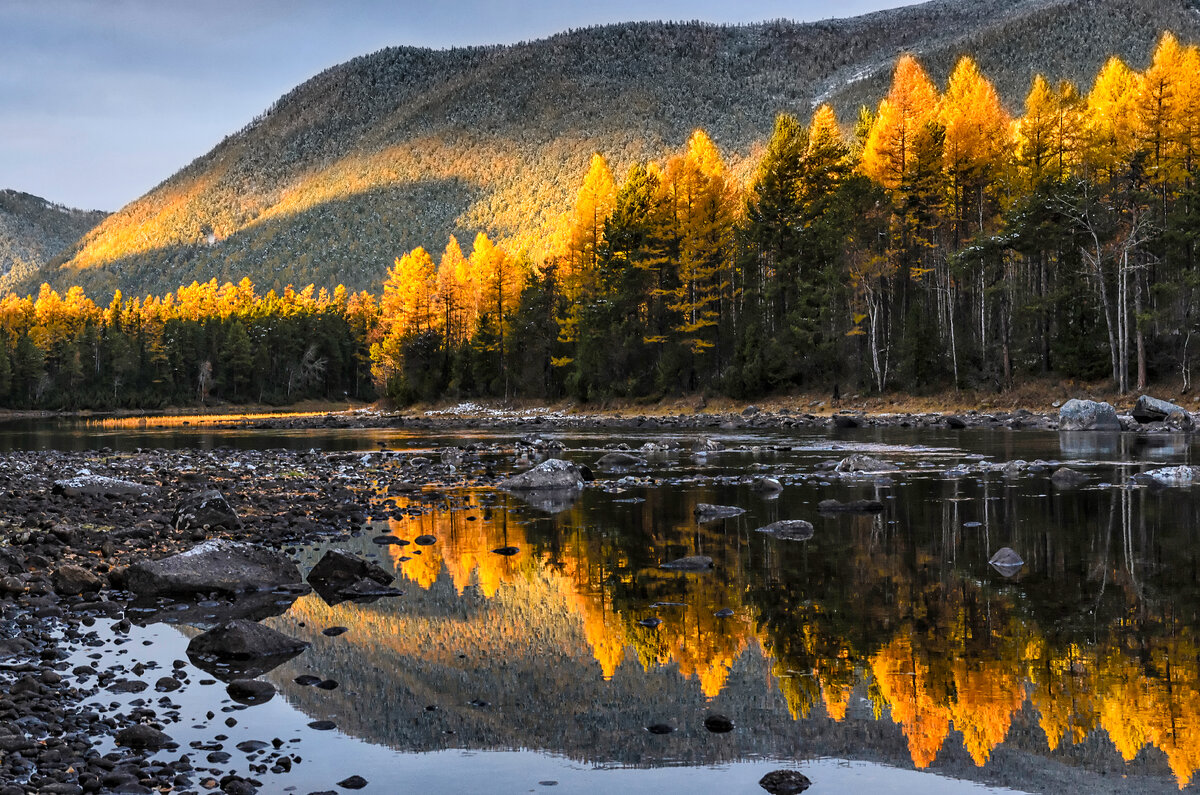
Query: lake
x: 884, y: 651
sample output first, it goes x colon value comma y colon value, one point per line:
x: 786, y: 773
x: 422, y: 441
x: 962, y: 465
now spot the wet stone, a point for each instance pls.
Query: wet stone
x: 785, y: 782
x: 353, y: 782
x: 718, y: 724
x: 322, y: 725
x: 660, y: 728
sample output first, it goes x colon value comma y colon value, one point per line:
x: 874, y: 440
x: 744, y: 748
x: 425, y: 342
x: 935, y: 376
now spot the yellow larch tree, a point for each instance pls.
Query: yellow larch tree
x: 581, y: 240
x: 976, y: 141
x: 903, y: 117
x: 1112, y: 118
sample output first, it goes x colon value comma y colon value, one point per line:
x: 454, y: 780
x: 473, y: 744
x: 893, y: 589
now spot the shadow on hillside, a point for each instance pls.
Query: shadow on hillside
x: 351, y: 241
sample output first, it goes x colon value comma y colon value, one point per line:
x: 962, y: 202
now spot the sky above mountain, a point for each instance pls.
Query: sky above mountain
x: 100, y: 101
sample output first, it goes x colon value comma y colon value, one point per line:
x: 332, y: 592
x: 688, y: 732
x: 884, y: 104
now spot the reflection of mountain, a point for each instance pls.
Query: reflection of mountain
x: 892, y: 616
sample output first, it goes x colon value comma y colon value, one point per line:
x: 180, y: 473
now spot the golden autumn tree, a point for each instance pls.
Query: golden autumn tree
x: 1112, y: 118
x: 579, y: 259
x: 901, y: 128
x: 1050, y: 134
x: 699, y: 197
x: 458, y: 294
x: 406, y: 310
x: 975, y: 145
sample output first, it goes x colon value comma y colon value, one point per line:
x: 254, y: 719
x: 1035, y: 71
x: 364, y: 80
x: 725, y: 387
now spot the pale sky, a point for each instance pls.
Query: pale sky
x: 100, y: 100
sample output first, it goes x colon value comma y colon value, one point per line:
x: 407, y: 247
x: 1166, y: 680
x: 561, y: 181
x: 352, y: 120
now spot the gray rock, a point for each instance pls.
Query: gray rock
x: 205, y: 510
x: 619, y: 462
x: 215, y: 565
x: 1067, y: 478
x: 99, y: 485
x: 690, y: 563
x: 709, y: 513
x: 1087, y: 415
x: 1171, y: 477
x: 766, y: 485
x: 71, y: 580
x: 553, y: 474
x: 788, y: 530
x: 862, y: 463
x: 1150, y: 409
x: 241, y: 649
x: 1006, y: 561
x: 853, y: 506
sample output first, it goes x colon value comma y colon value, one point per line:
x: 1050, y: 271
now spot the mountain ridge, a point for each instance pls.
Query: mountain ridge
x: 405, y: 146
x: 33, y: 231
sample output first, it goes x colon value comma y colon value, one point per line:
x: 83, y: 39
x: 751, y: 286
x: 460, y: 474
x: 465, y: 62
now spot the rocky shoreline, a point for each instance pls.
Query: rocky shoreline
x: 71, y: 525
x: 1164, y: 418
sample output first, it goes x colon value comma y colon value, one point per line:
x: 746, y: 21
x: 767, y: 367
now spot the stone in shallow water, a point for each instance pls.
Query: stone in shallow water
x: 506, y: 551
x: 718, y: 724
x: 650, y: 622
x: 724, y: 612
x: 217, y: 565
x: 785, y: 782
x: 1006, y: 561
x: 788, y: 530
x: 660, y: 728
x: 690, y: 563
x: 250, y: 691
x: 353, y: 782
x: 707, y: 513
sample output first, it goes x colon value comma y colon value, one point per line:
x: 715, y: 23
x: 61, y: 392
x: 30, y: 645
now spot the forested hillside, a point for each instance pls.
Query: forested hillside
x: 34, y: 231
x: 942, y: 243
x: 406, y: 146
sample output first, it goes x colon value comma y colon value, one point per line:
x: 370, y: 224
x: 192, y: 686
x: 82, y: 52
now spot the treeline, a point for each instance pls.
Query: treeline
x: 200, y: 344
x: 935, y: 243
x: 939, y: 243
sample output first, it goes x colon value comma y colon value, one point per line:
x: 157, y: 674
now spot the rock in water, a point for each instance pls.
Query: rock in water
x: 143, y: 736
x: 710, y: 513
x: 785, y: 782
x: 718, y: 724
x: 766, y: 485
x: 1149, y: 409
x: 788, y: 530
x: 1066, y: 478
x: 1006, y: 561
x: 344, y: 568
x: 862, y: 463
x: 690, y: 563
x: 215, y: 565
x: 250, y: 691
x: 854, y: 506
x: 242, y: 649
x: 1087, y: 415
x: 619, y: 462
x: 550, y: 475
x: 1171, y: 477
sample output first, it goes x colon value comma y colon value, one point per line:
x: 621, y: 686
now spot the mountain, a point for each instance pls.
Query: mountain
x: 405, y: 146
x: 34, y: 231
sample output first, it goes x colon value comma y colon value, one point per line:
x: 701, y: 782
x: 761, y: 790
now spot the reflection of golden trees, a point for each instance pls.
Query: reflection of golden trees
x: 943, y: 665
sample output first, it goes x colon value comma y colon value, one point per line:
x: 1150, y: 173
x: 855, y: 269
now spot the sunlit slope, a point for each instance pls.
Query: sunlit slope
x: 403, y: 147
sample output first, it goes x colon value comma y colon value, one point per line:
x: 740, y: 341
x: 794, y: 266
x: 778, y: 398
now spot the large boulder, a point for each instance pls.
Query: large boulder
x: 1087, y: 415
x: 215, y: 565
x: 205, y: 510
x: 551, y: 475
x: 1149, y: 409
x: 72, y: 580
x: 242, y: 649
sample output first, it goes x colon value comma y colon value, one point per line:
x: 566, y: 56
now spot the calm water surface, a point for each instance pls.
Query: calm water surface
x: 882, y: 653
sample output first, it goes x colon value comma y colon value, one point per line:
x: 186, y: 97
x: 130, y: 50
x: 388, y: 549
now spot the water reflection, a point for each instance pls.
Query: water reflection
x: 893, y: 621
